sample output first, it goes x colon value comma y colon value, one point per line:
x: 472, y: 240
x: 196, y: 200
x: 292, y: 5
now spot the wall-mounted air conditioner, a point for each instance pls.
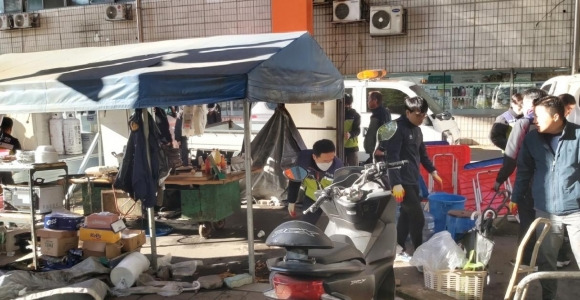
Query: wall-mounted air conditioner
x: 23, y: 20
x: 119, y: 12
x: 346, y: 10
x: 6, y: 22
x: 387, y: 20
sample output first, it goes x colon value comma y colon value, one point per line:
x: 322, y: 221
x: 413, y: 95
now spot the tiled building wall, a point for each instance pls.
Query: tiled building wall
x: 85, y: 26
x: 444, y: 35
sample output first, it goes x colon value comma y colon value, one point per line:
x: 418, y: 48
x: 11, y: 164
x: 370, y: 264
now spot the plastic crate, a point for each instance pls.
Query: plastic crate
x: 444, y: 164
x: 487, y: 176
x: 459, y: 284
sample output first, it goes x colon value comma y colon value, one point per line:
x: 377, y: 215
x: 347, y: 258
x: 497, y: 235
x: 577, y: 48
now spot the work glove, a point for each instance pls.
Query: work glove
x: 291, y: 209
x: 497, y: 186
x: 437, y: 178
x: 513, y: 208
x: 398, y: 193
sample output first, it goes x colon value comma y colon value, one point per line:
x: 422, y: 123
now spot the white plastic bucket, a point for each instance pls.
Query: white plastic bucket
x: 56, y: 135
x: 128, y: 270
x: 72, y: 135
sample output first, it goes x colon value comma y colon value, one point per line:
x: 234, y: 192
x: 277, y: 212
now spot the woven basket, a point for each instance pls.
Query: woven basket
x: 459, y: 284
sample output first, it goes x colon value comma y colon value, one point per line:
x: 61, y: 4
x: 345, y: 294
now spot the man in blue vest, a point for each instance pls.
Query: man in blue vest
x: 503, y: 123
x: 320, y: 162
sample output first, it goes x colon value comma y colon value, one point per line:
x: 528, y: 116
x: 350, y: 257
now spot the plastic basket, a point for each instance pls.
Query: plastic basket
x: 459, y: 284
x: 440, y: 204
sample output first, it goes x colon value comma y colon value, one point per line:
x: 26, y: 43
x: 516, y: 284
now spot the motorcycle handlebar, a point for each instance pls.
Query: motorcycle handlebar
x: 378, y: 167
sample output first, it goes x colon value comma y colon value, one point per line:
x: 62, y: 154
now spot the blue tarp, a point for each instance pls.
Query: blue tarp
x: 276, y: 67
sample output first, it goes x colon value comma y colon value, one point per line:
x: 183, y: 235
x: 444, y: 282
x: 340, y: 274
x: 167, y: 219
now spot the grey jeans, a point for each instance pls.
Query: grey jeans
x: 551, y: 245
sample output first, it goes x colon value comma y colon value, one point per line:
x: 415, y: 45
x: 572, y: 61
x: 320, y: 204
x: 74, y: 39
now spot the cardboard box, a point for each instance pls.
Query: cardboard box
x: 120, y: 203
x: 102, y: 220
x: 10, y: 240
x: 132, y: 239
x: 99, y: 235
x: 101, y: 249
x: 50, y: 196
x: 63, y: 221
x: 58, y: 246
x: 52, y: 233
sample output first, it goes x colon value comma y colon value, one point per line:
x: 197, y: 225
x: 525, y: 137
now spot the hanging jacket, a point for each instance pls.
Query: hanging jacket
x: 135, y: 176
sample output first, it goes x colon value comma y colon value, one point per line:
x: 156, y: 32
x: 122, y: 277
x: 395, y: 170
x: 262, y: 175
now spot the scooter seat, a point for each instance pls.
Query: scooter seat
x: 339, y: 253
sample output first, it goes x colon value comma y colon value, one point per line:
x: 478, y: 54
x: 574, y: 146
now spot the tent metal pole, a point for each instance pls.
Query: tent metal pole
x: 249, y: 198
x: 150, y: 210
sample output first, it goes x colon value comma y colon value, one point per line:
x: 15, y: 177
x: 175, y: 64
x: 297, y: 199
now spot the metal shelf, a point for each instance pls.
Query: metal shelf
x: 32, y: 169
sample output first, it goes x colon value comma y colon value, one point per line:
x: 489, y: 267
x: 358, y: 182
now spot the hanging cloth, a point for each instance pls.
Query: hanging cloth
x: 135, y: 177
x: 194, y: 119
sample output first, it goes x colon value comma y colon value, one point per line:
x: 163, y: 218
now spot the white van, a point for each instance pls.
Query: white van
x: 438, y: 126
x: 565, y: 84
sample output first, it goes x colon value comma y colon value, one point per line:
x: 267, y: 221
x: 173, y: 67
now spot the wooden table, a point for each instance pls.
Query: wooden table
x: 204, y: 200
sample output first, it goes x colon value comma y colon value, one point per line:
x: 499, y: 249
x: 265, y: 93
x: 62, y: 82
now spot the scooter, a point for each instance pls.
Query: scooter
x: 353, y: 258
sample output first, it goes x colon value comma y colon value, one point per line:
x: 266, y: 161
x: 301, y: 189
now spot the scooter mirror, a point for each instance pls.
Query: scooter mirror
x: 386, y: 131
x: 296, y: 173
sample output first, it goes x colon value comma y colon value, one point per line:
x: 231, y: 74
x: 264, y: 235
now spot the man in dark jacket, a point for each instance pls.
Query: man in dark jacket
x: 351, y: 132
x: 503, y: 123
x: 320, y: 162
x: 549, y: 158
x: 407, y: 144
x: 519, y: 131
x: 380, y: 115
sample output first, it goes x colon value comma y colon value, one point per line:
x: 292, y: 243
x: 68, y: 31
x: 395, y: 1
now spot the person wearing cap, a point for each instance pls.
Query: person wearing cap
x: 7, y: 141
x: 351, y: 132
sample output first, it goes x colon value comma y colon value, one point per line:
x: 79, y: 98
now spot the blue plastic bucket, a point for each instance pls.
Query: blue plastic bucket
x: 440, y: 204
x: 458, y: 223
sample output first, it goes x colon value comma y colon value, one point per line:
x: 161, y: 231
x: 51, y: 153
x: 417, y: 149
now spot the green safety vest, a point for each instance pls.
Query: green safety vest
x: 310, y: 186
x: 353, y: 141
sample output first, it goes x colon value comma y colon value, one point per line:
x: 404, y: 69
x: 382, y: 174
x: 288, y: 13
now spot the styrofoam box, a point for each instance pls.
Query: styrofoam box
x: 50, y: 197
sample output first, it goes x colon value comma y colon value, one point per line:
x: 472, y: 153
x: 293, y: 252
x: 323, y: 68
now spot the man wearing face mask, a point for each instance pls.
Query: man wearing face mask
x: 320, y: 162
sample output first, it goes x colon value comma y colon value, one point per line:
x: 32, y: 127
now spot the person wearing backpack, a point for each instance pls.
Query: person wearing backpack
x: 504, y: 123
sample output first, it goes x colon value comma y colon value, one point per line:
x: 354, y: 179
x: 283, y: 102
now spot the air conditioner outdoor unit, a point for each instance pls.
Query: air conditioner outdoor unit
x: 118, y: 12
x: 23, y: 20
x: 6, y: 22
x: 346, y: 10
x: 387, y: 20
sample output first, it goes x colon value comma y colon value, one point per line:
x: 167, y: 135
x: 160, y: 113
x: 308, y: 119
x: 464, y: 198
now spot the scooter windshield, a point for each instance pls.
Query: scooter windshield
x: 346, y: 176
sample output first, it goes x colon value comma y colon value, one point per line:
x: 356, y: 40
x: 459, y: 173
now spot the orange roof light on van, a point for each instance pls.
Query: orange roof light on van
x: 371, y: 74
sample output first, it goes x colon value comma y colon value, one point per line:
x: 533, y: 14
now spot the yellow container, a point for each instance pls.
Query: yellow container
x: 99, y: 235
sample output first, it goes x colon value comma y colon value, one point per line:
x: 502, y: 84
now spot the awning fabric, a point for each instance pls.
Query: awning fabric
x: 276, y: 67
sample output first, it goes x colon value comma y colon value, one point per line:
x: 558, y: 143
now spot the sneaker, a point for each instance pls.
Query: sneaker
x: 403, y: 256
x: 561, y: 264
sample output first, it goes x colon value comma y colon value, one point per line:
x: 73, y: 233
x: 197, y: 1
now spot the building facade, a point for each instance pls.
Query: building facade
x: 469, y: 54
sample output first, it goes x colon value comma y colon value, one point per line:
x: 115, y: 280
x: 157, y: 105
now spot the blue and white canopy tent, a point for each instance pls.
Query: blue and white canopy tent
x: 277, y: 67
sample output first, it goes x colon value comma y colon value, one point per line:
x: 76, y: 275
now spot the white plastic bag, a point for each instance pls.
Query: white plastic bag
x: 440, y: 252
x: 185, y: 268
